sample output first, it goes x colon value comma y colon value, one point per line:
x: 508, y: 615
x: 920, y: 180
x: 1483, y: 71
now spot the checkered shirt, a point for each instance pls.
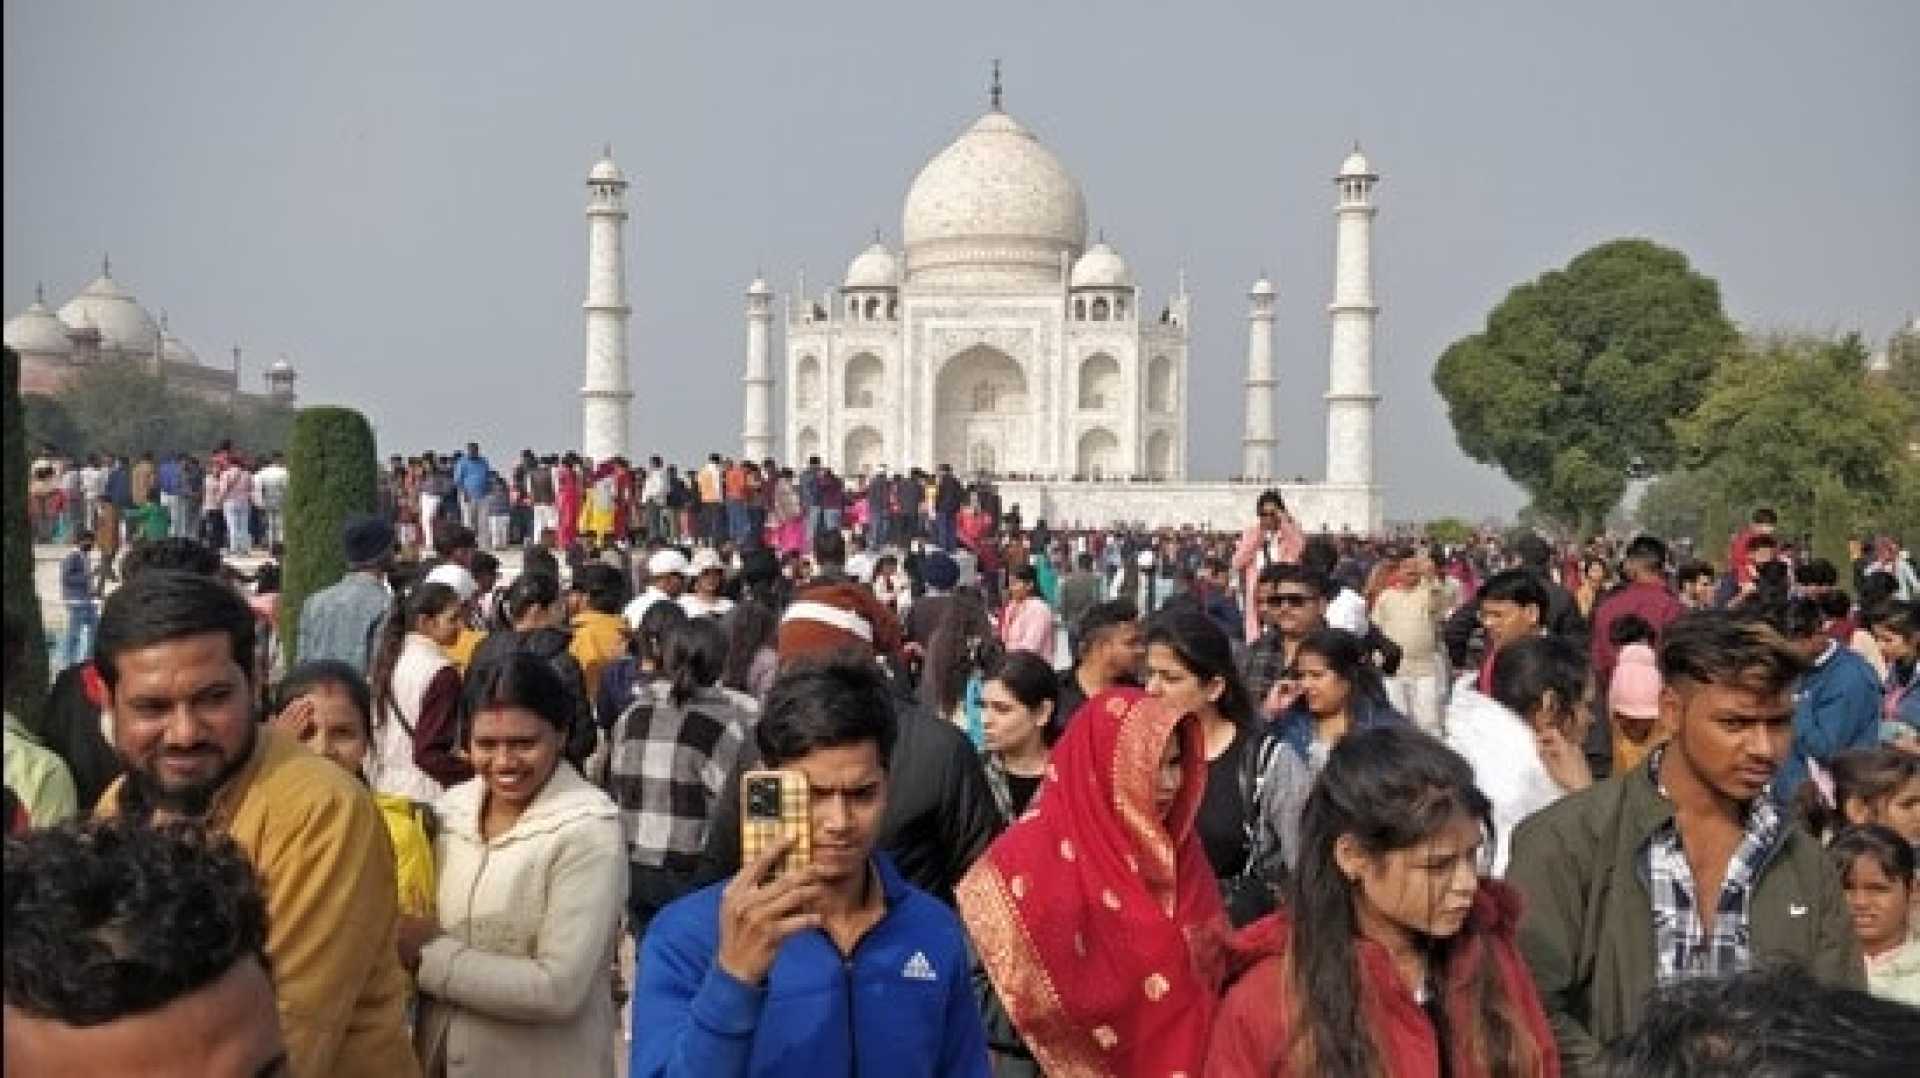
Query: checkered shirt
x: 1683, y: 947
x: 1265, y: 661
x: 668, y: 764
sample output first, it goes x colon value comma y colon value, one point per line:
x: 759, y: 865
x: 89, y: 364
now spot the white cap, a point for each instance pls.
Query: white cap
x: 706, y: 558
x: 454, y: 576
x: 667, y: 561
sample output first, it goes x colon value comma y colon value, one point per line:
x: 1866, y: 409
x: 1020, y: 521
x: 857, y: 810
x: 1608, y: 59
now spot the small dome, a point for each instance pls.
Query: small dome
x: 1261, y: 287
x: 604, y: 170
x: 123, y: 324
x: 994, y: 201
x: 875, y: 267
x: 759, y: 287
x: 280, y: 366
x: 1101, y: 267
x: 1356, y: 164
x: 35, y: 331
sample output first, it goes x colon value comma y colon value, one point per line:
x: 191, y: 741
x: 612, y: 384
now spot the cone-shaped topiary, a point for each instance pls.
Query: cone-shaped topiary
x: 334, y: 474
x: 26, y: 684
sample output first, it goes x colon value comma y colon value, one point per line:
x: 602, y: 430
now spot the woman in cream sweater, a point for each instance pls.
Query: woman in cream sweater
x: 514, y: 972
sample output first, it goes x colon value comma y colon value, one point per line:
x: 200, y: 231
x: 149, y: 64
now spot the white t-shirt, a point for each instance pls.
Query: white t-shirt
x: 697, y: 607
x: 1348, y: 611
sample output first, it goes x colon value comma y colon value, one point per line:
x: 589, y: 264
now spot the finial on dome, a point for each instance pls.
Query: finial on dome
x: 1356, y: 145
x: 40, y: 292
x: 106, y: 264
x: 606, y: 148
x: 993, y: 92
x: 876, y: 233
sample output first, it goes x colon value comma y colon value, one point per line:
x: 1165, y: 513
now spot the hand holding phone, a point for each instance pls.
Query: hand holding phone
x: 759, y: 913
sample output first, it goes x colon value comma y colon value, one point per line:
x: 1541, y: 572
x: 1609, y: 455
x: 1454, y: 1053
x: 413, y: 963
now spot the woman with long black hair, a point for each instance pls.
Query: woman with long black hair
x: 670, y: 755
x: 416, y: 695
x: 1190, y: 667
x: 1341, y: 692
x: 1393, y: 955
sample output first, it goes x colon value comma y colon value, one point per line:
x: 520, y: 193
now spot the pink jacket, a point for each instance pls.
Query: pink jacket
x: 1028, y: 626
x: 1247, y: 562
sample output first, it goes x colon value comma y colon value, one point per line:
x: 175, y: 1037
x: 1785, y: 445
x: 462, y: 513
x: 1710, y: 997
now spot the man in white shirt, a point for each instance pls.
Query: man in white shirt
x: 667, y: 572
x: 270, y: 494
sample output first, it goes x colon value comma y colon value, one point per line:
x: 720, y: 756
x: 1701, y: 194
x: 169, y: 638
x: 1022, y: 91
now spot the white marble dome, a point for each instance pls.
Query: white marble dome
x: 124, y: 325
x: 36, y: 331
x: 875, y: 267
x: 1356, y: 164
x: 1261, y: 287
x: 994, y: 203
x: 172, y: 348
x: 1101, y: 267
x: 605, y: 171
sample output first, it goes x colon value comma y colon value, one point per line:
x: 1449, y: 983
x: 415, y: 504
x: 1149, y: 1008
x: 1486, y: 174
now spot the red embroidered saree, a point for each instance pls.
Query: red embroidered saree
x: 1100, y: 925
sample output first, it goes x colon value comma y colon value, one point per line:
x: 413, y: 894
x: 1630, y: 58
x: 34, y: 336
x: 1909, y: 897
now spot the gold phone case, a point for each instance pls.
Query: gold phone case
x: 760, y: 830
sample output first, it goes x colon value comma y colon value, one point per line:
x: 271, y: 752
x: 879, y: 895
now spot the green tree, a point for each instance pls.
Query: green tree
x: 1571, y: 386
x: 1794, y: 423
x: 1678, y: 505
x: 124, y: 408
x: 1449, y: 531
x: 332, y: 461
x: 26, y: 684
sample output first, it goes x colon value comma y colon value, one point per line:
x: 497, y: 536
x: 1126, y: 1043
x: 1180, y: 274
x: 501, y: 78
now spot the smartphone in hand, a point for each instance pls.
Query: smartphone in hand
x: 774, y: 805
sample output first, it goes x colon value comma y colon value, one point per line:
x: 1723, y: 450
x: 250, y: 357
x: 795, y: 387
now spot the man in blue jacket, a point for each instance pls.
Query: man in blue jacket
x: 471, y: 474
x: 1837, y: 705
x: 840, y: 967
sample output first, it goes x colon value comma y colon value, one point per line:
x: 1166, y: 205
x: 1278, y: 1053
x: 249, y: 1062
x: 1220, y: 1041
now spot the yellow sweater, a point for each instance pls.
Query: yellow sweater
x: 327, y: 869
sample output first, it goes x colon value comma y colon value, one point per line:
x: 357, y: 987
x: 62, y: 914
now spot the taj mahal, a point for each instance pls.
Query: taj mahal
x: 999, y: 341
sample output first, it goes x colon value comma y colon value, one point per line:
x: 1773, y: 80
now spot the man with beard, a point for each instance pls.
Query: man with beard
x: 174, y: 655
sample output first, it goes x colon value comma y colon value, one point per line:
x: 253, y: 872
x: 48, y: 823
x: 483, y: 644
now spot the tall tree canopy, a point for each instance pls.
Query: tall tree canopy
x: 1795, y: 423
x: 1572, y: 386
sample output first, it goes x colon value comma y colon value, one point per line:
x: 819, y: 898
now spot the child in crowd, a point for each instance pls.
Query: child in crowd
x: 325, y: 706
x: 1876, y: 867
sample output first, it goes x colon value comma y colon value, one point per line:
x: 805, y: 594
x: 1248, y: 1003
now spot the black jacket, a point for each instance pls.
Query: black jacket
x: 940, y: 813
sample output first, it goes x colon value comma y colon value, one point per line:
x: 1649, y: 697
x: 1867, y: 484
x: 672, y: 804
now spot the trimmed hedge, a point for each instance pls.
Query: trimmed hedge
x: 334, y: 474
x: 26, y: 686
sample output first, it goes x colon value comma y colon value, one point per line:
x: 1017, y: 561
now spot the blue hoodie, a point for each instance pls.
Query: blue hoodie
x: 1836, y: 708
x: 900, y: 1006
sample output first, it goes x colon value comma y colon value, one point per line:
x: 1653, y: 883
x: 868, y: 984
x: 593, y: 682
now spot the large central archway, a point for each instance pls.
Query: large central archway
x: 980, y: 412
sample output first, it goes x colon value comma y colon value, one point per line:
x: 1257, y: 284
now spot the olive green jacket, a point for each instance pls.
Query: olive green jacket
x: 1588, y: 934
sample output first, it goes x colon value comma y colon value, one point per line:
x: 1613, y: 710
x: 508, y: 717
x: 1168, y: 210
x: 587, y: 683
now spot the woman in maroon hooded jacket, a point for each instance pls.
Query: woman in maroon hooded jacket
x: 1394, y: 956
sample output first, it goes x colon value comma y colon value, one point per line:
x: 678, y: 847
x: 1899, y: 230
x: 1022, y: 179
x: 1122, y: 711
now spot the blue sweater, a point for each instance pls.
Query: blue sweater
x: 900, y: 1006
x: 471, y: 475
x: 1837, y: 708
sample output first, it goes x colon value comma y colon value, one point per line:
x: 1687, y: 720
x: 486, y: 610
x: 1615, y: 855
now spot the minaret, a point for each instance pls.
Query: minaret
x: 605, y: 398
x: 1350, y: 396
x: 1256, y: 445
x: 756, y: 433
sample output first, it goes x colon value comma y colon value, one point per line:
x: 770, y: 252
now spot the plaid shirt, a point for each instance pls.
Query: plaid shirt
x: 1683, y: 947
x: 1265, y: 661
x: 668, y: 764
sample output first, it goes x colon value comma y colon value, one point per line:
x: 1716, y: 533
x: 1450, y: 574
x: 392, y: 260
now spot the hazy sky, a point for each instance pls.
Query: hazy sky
x: 392, y: 194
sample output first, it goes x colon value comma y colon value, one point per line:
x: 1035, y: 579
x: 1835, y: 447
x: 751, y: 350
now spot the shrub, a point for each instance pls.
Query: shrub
x: 334, y: 474
x: 26, y: 686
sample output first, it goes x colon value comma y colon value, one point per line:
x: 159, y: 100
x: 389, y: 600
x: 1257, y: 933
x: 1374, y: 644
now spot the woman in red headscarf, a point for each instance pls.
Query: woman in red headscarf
x: 1096, y: 915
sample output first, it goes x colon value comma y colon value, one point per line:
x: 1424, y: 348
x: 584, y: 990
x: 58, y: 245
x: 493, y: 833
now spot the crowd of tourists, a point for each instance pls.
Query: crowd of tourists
x: 1046, y: 800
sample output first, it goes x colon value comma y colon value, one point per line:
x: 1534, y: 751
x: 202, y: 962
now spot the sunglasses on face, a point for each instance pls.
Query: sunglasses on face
x: 1286, y: 599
